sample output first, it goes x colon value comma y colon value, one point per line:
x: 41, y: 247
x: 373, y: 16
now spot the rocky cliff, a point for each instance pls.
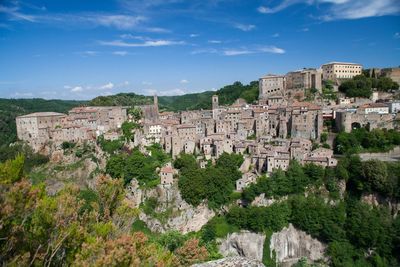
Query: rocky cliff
x: 374, y: 199
x: 231, y: 262
x: 290, y: 245
x: 172, y: 212
x: 244, y: 244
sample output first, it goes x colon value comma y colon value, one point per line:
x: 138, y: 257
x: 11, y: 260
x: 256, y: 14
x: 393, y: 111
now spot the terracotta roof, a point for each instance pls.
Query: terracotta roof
x: 167, y: 169
x: 374, y: 105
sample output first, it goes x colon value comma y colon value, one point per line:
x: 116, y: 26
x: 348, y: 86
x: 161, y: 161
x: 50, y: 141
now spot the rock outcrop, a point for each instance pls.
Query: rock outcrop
x: 290, y: 245
x: 374, y: 199
x: 231, y: 262
x: 183, y: 217
x: 245, y: 244
x: 262, y: 201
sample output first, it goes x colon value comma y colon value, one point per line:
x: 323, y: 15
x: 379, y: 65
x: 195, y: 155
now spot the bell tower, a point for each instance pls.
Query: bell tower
x: 215, y: 102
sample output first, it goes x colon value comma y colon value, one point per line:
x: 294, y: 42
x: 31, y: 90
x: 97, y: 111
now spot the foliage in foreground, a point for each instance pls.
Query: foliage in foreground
x: 77, y: 227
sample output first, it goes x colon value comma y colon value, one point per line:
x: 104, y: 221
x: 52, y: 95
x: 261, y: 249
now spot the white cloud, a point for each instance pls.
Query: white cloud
x: 214, y: 41
x: 193, y: 35
x: 122, y: 22
x: 14, y: 14
x: 148, y: 43
x: 234, y: 52
x: 22, y: 95
x: 342, y: 9
x: 264, y: 10
x: 397, y: 35
x: 147, y: 83
x: 204, y: 51
x: 241, y: 51
x: 246, y: 51
x: 107, y: 86
x: 184, y: 81
x: 120, y: 53
x: 275, y: 35
x: 305, y: 30
x: 272, y: 49
x: 77, y: 89
x: 175, y: 91
x: 245, y: 27
x: 90, y: 53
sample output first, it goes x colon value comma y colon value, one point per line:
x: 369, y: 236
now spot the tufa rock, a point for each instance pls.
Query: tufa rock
x: 244, y: 244
x: 290, y: 245
x: 231, y: 262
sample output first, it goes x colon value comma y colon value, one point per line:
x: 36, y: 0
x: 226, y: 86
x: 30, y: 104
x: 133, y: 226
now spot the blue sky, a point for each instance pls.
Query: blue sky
x: 77, y: 49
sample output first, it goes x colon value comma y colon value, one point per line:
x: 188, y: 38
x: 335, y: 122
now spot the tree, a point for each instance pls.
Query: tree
x: 191, y: 252
x: 126, y: 250
x: 359, y: 86
x: 375, y: 176
x: 127, y: 128
x: 324, y: 137
x: 172, y: 240
x: 136, y: 113
x: 369, y: 228
x: 12, y: 170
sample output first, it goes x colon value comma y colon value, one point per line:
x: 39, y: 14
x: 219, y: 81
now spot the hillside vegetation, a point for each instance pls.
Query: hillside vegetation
x: 227, y: 95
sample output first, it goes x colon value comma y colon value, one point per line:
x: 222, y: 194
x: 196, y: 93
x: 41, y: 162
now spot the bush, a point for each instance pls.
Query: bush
x: 67, y: 145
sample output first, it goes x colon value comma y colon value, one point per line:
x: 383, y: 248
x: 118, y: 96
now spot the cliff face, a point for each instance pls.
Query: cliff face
x: 231, y: 262
x: 172, y: 212
x: 244, y: 244
x: 290, y: 245
x: 374, y: 199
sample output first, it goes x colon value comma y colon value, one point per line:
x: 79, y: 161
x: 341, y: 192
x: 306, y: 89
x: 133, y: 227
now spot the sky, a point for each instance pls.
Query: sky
x: 80, y: 49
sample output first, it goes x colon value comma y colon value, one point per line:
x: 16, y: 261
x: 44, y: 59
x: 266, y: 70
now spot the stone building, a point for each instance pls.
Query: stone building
x: 150, y: 112
x: 377, y: 108
x: 303, y: 79
x: 167, y: 175
x: 35, y: 128
x: 271, y: 85
x: 81, y: 123
x: 306, y: 120
x: 340, y: 70
x: 349, y: 119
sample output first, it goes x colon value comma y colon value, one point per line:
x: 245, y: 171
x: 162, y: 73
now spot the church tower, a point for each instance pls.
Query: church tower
x: 215, y: 106
x: 214, y: 102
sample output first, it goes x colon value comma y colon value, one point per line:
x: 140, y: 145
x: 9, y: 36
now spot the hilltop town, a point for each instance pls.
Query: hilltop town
x: 279, y: 127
